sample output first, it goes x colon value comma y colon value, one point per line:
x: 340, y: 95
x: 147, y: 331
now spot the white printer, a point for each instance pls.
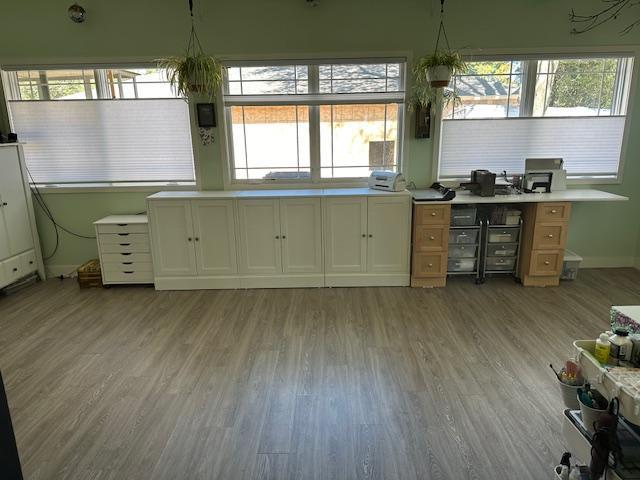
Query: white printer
x: 386, y: 180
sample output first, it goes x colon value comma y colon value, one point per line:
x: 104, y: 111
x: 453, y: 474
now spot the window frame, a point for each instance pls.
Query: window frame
x: 529, y: 75
x: 315, y: 180
x: 95, y: 187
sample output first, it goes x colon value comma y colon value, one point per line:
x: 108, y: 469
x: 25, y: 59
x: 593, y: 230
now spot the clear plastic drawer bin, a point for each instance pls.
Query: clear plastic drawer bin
x: 463, y: 216
x: 462, y: 251
x: 499, y: 263
x: 461, y: 264
x: 502, y: 250
x: 503, y: 235
x: 463, y: 236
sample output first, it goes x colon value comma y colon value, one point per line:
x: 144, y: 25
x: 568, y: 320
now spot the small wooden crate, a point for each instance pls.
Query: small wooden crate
x: 90, y: 274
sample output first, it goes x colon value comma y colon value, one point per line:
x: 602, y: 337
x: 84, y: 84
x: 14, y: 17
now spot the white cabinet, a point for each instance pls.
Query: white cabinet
x: 214, y: 236
x: 345, y: 234
x: 281, y: 238
x: 388, y: 227
x: 259, y: 225
x: 192, y: 240
x: 172, y: 238
x: 367, y: 240
x: 19, y: 245
x: 301, y: 233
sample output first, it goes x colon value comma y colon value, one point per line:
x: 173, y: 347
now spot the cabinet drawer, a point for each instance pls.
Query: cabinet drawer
x: 553, y: 212
x: 12, y: 269
x: 123, y: 237
x: 432, y: 214
x: 430, y: 238
x: 429, y: 264
x: 126, y: 257
x: 28, y: 262
x: 123, y: 228
x: 128, y: 276
x: 125, y: 247
x: 128, y: 266
x: 546, y: 263
x: 549, y: 236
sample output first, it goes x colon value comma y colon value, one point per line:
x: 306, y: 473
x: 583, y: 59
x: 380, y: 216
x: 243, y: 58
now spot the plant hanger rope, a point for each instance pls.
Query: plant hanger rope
x: 193, y: 38
x: 441, y: 31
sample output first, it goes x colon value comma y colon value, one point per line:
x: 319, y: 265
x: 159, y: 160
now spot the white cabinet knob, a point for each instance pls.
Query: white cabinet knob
x: 550, y: 236
x: 546, y: 262
x: 430, y: 265
x: 433, y: 214
x: 553, y: 210
x: 431, y: 237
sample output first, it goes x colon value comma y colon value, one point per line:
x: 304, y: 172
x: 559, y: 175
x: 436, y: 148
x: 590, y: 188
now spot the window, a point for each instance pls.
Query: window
x: 100, y: 126
x: 510, y: 110
x: 313, y: 121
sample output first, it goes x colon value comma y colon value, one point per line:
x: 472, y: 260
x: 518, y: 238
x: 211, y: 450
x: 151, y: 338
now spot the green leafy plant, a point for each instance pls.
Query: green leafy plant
x: 423, y: 90
x: 453, y: 60
x: 195, y: 73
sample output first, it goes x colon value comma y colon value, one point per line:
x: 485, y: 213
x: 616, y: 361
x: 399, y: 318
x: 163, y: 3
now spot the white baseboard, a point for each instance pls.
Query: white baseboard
x: 64, y: 270
x: 609, y: 262
x: 367, y: 280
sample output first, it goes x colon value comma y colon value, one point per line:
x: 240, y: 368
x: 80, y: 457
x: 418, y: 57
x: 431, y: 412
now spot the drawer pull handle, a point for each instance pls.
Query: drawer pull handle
x: 550, y: 236
x: 30, y: 262
x: 128, y: 272
x: 125, y: 244
x: 15, y: 269
x: 125, y: 254
x: 431, y: 237
x: 123, y: 224
x: 277, y: 237
x: 546, y: 262
x: 430, y: 265
x: 127, y: 263
x: 433, y: 214
x: 188, y: 239
x: 364, y: 235
x: 370, y: 236
x: 123, y: 234
x: 197, y: 239
x: 554, y: 210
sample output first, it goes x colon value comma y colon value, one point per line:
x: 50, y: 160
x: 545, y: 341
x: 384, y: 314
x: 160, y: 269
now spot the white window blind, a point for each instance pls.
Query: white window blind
x: 86, y: 141
x: 590, y: 146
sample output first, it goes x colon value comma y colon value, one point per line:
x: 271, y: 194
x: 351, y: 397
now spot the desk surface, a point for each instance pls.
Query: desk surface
x: 574, y: 195
x: 276, y: 193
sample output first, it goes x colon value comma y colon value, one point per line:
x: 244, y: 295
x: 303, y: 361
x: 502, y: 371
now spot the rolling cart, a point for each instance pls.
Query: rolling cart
x: 500, y: 250
x: 464, y: 243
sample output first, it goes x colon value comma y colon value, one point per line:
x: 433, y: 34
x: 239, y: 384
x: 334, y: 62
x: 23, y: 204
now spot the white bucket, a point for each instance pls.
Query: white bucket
x: 570, y: 395
x: 590, y: 415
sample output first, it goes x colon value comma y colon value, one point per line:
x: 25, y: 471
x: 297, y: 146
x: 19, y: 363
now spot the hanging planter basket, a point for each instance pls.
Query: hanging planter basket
x: 439, y: 76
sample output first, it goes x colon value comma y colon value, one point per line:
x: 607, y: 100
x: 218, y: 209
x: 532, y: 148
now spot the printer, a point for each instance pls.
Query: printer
x: 386, y: 180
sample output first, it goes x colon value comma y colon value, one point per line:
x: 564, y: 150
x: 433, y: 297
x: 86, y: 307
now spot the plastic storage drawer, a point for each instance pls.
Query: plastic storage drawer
x: 463, y: 217
x: 462, y: 251
x: 503, y: 235
x: 463, y: 236
x: 461, y: 264
x: 502, y: 250
x: 500, y: 263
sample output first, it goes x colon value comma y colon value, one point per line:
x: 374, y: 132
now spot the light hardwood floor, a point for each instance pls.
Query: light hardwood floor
x: 362, y: 383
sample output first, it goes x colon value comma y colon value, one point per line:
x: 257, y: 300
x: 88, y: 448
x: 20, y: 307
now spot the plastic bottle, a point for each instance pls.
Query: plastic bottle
x: 603, y: 347
x: 621, y: 346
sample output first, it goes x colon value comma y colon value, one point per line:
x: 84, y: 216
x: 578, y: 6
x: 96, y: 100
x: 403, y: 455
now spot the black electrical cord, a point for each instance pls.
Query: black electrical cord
x: 45, y: 208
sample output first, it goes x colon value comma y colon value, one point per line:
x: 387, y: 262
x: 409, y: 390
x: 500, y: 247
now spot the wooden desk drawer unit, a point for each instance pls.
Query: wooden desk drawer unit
x: 430, y: 245
x: 543, y: 240
x: 125, y: 252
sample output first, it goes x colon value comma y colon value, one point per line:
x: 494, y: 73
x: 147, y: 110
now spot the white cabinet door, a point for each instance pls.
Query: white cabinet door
x: 215, y: 239
x: 259, y: 226
x: 389, y: 226
x: 13, y: 203
x: 172, y: 238
x: 5, y: 252
x: 301, y: 232
x: 345, y: 239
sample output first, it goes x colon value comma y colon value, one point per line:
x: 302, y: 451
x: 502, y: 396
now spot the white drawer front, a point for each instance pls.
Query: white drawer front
x: 123, y: 237
x: 128, y: 277
x: 28, y: 262
x: 125, y: 247
x: 124, y: 228
x: 128, y: 266
x: 126, y: 257
x: 12, y: 269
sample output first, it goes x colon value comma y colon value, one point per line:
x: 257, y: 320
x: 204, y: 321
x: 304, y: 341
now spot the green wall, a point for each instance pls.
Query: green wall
x: 606, y: 234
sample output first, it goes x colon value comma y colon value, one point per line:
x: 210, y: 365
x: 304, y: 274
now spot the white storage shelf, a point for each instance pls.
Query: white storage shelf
x: 124, y: 249
x: 600, y: 379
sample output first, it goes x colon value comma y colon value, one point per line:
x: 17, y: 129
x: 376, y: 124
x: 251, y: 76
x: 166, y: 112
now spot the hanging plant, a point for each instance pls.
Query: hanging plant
x: 196, y: 72
x: 433, y: 72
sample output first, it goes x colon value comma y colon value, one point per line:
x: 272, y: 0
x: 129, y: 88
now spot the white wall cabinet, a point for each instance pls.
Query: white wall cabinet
x: 295, y: 239
x: 19, y: 245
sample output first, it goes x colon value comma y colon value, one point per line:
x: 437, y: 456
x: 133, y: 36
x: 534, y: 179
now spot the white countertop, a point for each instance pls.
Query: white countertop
x: 116, y: 219
x: 573, y: 195
x: 276, y: 193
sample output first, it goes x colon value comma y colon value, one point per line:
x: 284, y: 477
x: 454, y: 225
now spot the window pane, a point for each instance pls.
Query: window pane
x: 487, y: 96
x: 359, y: 78
x: 268, y: 80
x: 356, y: 139
x: 575, y: 87
x: 270, y: 141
